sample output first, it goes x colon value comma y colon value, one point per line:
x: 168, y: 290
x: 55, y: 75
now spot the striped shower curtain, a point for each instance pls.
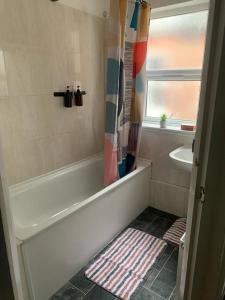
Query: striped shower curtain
x: 127, y: 37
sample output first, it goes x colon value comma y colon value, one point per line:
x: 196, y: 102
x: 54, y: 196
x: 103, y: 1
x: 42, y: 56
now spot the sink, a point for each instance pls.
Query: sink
x: 183, y: 158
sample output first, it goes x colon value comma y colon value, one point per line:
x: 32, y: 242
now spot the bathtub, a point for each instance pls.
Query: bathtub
x: 62, y: 219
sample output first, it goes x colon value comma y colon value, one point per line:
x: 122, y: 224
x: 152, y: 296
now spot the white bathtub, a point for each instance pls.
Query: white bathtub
x: 65, y: 217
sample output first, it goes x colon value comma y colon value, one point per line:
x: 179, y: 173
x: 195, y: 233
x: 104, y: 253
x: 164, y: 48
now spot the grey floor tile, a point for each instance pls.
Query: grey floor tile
x: 173, y: 295
x: 148, y: 215
x: 140, y: 225
x: 80, y: 281
x: 68, y: 292
x: 164, y: 283
x: 164, y: 214
x: 171, y: 264
x: 151, y: 277
x: 145, y: 294
x: 159, y: 226
x: 163, y: 257
x: 98, y: 293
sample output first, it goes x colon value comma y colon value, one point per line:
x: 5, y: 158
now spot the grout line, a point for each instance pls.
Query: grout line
x: 90, y: 290
x: 72, y: 285
x: 153, y: 292
x: 161, y: 269
x: 170, y: 184
x: 94, y: 284
x: 85, y: 293
x: 172, y: 293
x: 169, y: 270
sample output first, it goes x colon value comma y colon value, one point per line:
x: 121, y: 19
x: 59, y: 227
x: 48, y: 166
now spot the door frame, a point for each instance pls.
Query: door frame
x: 204, y: 258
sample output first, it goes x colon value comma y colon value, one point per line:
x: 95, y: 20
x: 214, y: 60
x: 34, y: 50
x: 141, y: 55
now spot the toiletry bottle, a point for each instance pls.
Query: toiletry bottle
x: 68, y: 97
x: 78, y: 97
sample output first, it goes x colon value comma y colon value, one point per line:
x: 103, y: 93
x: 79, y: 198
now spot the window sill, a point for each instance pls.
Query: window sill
x: 169, y: 129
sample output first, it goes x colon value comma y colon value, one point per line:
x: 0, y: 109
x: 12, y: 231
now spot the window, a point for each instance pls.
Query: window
x: 174, y: 63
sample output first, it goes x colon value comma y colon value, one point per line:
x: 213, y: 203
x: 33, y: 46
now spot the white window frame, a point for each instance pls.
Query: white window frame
x: 174, y: 74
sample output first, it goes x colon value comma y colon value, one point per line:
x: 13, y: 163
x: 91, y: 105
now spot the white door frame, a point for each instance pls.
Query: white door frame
x: 204, y: 259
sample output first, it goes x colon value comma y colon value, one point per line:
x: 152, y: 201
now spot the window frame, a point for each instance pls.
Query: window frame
x: 172, y: 74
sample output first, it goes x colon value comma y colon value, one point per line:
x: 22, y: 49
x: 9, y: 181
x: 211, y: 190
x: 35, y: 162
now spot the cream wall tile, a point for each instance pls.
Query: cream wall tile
x: 9, y: 116
x: 33, y: 116
x: 28, y: 72
x: 22, y: 158
x: 46, y: 51
x: 64, y: 69
x: 29, y: 159
x: 169, y: 198
x: 156, y: 146
x: 13, y: 26
x: 169, y: 184
x: 39, y: 23
x: 62, y: 157
x: 46, y: 148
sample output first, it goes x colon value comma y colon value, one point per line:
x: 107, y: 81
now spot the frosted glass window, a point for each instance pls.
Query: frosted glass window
x: 177, y: 98
x: 177, y: 42
x: 174, y: 64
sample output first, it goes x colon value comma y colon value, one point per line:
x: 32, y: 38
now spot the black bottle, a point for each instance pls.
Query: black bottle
x: 68, y: 97
x: 78, y: 97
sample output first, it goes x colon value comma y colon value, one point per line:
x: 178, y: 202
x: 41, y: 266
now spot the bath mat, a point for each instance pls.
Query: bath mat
x: 122, y: 267
x: 175, y: 232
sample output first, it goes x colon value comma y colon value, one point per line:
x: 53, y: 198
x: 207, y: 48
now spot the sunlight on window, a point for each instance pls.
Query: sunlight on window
x: 177, y: 42
x: 175, y: 58
x: 176, y: 98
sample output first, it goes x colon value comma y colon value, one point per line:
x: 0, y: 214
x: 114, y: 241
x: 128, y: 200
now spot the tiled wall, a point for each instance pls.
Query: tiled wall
x: 169, y: 184
x: 44, y: 46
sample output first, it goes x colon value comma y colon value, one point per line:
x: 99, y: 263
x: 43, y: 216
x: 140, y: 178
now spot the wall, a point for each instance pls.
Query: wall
x: 96, y: 7
x: 43, y: 47
x: 169, y: 185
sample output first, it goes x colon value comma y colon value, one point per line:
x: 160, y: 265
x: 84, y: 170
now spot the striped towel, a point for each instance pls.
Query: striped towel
x: 123, y: 266
x: 175, y: 232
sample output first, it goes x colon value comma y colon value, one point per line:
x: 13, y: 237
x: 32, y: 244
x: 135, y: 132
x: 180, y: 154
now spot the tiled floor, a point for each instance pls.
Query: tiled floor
x: 161, y: 279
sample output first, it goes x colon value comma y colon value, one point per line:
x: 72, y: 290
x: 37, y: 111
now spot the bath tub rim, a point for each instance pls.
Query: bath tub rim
x: 25, y: 235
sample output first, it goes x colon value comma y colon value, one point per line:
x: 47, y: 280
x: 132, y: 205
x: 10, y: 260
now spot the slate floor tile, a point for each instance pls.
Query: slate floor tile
x: 145, y: 294
x: 68, y: 292
x: 151, y: 277
x: 140, y: 225
x: 171, y: 264
x: 161, y: 213
x: 173, y: 295
x: 98, y: 293
x: 163, y: 257
x: 147, y: 215
x: 164, y: 283
x: 159, y: 226
x: 80, y: 281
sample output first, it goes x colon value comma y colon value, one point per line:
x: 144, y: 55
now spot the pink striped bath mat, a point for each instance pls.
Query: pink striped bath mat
x: 123, y: 266
x: 175, y: 232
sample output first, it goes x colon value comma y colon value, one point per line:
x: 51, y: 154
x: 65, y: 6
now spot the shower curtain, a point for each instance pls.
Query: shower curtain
x: 126, y: 38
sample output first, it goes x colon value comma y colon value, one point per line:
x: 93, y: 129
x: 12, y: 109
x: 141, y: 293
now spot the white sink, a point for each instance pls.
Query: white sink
x: 183, y: 157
